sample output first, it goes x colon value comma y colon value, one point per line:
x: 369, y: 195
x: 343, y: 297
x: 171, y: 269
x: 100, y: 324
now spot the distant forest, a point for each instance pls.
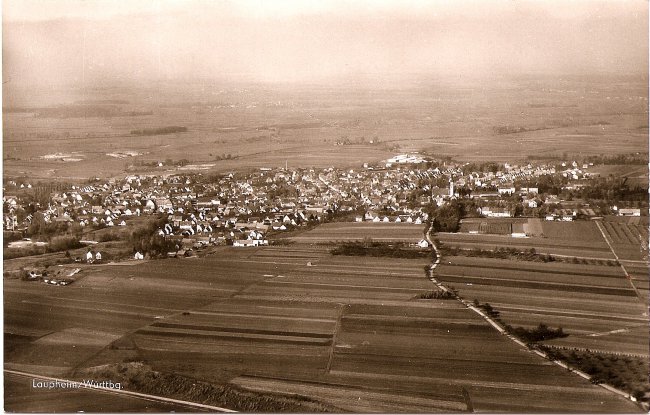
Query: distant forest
x: 85, y: 109
x: 159, y: 131
x: 614, y: 159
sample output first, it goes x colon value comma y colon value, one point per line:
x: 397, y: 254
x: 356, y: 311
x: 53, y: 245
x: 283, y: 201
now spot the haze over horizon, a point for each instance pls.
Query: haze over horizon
x: 84, y: 43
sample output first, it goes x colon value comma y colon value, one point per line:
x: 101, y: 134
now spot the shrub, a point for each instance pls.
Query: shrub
x: 541, y: 333
x: 63, y: 243
x: 436, y: 295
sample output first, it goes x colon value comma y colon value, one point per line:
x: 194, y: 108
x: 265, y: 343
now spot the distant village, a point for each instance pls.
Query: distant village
x: 243, y: 209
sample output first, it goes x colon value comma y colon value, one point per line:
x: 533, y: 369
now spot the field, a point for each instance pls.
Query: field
x: 592, y: 300
x: 580, y: 239
x: 557, y: 247
x: 357, y: 231
x: 636, y: 175
x: 20, y: 397
x: 346, y: 331
x: 595, y: 304
x: 629, y: 238
x: 612, y: 239
x: 316, y: 126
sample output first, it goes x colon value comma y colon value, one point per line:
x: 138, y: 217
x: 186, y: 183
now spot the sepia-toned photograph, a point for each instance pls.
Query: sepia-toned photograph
x: 305, y: 206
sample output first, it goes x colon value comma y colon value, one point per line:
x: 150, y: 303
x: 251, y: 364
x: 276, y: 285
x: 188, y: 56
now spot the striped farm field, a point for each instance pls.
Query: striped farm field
x: 595, y: 304
x: 350, y: 333
x: 597, y: 249
x: 628, y: 238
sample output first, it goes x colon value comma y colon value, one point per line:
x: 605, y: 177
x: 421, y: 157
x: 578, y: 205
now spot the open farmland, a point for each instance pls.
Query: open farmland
x: 344, y: 125
x: 357, y: 231
x: 628, y: 239
x: 594, y: 304
x: 635, y: 175
x: 345, y: 331
x: 596, y: 250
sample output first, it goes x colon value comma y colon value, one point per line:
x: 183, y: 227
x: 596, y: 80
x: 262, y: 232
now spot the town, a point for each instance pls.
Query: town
x: 243, y: 209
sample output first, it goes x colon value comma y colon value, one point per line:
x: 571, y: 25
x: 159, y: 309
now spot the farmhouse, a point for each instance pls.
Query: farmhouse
x: 250, y: 242
x: 495, y: 212
x: 526, y: 190
x: 629, y: 212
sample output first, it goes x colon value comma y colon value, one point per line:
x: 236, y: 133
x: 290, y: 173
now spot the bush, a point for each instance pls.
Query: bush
x: 436, y: 295
x: 541, y: 333
x: 64, y: 243
x: 146, y: 239
x: 491, y: 312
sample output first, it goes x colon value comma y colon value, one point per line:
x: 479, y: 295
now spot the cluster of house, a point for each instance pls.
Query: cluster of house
x: 241, y: 208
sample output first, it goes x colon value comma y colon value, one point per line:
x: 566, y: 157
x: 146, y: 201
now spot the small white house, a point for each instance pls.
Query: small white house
x: 629, y: 212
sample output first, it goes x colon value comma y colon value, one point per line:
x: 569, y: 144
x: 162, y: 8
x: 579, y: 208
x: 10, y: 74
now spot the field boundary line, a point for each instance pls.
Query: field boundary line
x: 140, y: 395
x: 337, y: 327
x: 627, y: 276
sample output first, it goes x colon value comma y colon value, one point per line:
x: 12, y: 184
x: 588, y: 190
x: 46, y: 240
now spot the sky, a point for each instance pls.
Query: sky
x: 73, y: 42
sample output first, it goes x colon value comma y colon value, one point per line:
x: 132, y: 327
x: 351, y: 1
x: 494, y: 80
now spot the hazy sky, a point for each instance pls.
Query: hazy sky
x: 90, y: 41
